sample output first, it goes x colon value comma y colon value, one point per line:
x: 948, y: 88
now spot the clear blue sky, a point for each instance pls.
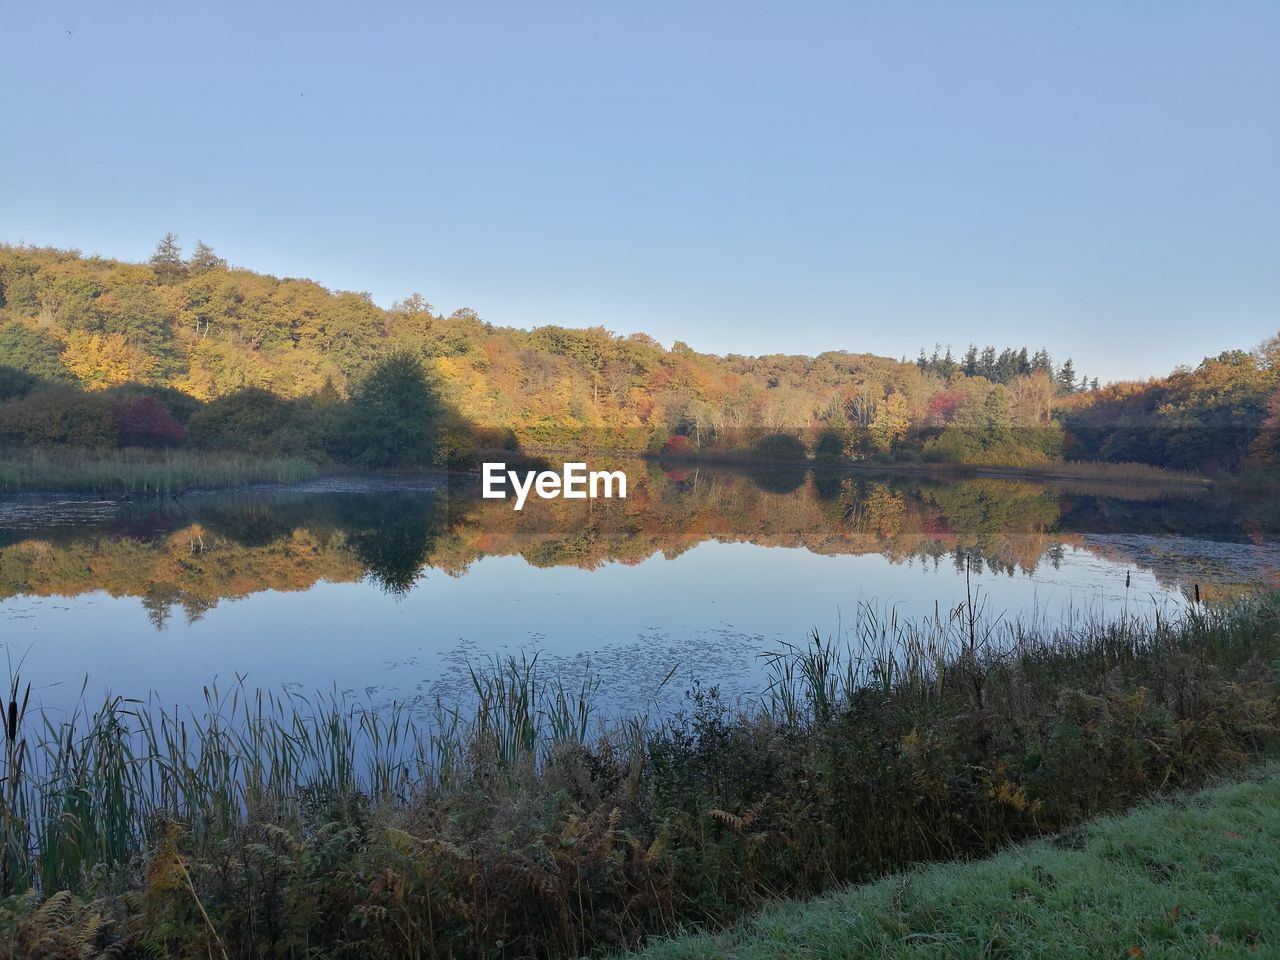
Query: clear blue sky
x: 1101, y: 178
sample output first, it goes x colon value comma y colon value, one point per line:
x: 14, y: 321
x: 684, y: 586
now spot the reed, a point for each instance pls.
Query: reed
x: 143, y: 471
x: 520, y: 823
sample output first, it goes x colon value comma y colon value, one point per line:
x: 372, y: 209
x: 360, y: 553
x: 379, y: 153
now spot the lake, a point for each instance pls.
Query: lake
x: 387, y: 589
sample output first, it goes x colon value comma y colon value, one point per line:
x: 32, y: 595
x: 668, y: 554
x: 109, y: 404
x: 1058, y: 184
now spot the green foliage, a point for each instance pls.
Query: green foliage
x: 167, y: 260
x: 22, y: 294
x: 1207, y: 419
x: 246, y: 419
x: 394, y: 418
x: 203, y: 260
x: 830, y: 445
x: 137, y: 314
x: 780, y: 446
x: 15, y: 384
x: 73, y: 300
x: 58, y: 416
x: 25, y: 348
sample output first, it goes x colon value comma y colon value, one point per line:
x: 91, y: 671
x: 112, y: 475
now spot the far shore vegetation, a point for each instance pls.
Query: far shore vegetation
x: 521, y: 823
x: 191, y: 354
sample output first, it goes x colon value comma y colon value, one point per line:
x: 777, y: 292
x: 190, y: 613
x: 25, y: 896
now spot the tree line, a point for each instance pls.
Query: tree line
x: 188, y: 349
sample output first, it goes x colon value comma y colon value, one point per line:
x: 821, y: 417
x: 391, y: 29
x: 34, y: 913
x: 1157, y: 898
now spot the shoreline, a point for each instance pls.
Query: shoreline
x: 135, y: 472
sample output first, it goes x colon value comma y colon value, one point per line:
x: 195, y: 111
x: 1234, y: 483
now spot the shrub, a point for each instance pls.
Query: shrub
x: 677, y: 445
x: 245, y: 419
x: 145, y: 421
x: 58, y: 415
x: 15, y: 383
x: 779, y: 446
x: 830, y: 445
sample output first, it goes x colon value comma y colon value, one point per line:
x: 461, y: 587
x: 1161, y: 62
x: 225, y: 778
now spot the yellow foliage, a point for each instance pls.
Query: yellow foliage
x: 100, y: 361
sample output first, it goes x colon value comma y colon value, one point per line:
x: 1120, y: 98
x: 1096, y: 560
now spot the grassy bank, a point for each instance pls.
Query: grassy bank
x: 142, y: 471
x: 515, y: 826
x: 1197, y: 876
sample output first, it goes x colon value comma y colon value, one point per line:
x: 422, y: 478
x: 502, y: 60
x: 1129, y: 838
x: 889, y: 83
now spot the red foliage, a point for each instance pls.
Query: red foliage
x: 943, y: 405
x: 677, y: 445
x: 146, y: 421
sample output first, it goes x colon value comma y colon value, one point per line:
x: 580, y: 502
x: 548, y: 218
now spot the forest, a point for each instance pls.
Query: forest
x: 189, y: 352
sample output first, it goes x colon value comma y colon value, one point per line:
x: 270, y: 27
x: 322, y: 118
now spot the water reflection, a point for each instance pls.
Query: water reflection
x: 189, y: 554
x: 390, y: 588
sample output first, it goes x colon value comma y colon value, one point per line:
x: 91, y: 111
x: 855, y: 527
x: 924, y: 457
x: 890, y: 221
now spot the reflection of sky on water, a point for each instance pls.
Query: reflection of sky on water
x: 708, y: 613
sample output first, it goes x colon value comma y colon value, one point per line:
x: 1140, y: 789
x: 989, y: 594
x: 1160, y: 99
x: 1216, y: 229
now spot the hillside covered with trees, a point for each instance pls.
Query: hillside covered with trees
x: 189, y: 351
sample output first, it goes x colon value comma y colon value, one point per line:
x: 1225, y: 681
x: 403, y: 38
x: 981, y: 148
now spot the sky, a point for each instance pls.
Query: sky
x: 1099, y: 179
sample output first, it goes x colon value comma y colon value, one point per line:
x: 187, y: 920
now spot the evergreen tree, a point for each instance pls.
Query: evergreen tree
x: 167, y: 260
x: 1006, y: 366
x: 1067, y: 376
x: 971, y: 361
x: 987, y: 363
x: 203, y: 259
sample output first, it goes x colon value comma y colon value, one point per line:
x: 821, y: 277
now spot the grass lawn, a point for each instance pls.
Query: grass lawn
x: 1195, y: 876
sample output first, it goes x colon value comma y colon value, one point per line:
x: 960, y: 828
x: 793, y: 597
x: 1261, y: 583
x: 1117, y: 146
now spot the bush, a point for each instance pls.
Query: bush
x: 677, y: 446
x: 15, y: 383
x: 58, y: 415
x: 780, y: 446
x: 245, y: 419
x: 182, y: 406
x: 146, y: 422
x: 830, y: 446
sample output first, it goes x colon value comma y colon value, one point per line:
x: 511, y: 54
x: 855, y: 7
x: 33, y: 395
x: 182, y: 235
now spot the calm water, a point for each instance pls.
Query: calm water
x: 387, y: 589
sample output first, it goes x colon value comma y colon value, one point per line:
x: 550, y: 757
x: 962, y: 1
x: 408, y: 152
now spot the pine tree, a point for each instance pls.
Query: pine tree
x: 167, y: 260
x: 1067, y: 376
x: 203, y: 259
x: 987, y: 364
x: 948, y: 363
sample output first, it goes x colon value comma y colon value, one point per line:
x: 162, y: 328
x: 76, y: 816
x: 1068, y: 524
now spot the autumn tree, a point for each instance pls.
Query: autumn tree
x: 891, y: 422
x: 1266, y: 447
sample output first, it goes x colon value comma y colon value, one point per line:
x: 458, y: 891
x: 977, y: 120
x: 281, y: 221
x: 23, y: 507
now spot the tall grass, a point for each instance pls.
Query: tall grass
x: 1127, y: 472
x: 143, y: 471
x: 519, y: 823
